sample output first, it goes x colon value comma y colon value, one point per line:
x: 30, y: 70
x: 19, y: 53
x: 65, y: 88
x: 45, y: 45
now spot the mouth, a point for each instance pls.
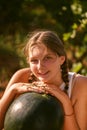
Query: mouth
x: 43, y: 74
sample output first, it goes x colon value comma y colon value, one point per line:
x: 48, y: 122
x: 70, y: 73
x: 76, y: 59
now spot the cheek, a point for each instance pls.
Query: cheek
x: 33, y: 68
x: 56, y: 67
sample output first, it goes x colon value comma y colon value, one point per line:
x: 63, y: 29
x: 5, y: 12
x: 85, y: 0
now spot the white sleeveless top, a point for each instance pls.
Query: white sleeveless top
x: 71, y: 77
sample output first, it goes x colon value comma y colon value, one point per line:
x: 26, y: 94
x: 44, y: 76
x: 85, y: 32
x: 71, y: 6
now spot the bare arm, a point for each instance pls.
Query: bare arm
x: 17, y: 85
x: 79, y: 100
x: 70, y: 122
x: 76, y: 108
x: 20, y: 77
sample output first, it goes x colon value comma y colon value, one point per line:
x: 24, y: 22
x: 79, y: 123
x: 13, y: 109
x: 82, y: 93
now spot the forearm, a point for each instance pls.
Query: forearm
x: 4, y: 104
x: 70, y: 122
x: 12, y: 93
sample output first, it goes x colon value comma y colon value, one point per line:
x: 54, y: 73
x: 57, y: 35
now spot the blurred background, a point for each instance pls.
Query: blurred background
x: 20, y: 17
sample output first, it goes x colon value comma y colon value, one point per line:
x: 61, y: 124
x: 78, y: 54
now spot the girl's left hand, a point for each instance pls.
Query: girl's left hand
x: 60, y: 95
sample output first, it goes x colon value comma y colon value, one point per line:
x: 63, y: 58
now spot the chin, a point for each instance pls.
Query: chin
x: 45, y: 80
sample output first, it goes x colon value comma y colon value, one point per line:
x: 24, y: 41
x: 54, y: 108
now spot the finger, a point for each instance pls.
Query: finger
x: 34, y: 87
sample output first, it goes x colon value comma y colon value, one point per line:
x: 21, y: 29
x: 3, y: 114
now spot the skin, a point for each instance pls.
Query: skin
x: 45, y: 65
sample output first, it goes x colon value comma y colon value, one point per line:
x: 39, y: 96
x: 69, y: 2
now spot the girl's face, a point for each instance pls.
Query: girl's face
x: 45, y: 64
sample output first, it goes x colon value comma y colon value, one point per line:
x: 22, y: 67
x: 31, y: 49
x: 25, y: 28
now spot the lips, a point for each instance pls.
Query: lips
x: 43, y: 74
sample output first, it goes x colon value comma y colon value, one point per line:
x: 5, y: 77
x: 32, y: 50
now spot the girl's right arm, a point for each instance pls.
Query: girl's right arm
x: 13, y: 88
x: 17, y: 85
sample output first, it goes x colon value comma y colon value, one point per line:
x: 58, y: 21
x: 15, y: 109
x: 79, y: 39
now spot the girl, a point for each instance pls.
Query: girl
x: 48, y: 72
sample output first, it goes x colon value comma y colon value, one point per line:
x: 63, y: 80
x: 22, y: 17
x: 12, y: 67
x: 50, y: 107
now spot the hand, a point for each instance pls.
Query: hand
x: 19, y: 88
x: 62, y: 96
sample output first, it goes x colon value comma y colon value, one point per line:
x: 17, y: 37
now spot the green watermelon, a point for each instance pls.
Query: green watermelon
x: 34, y: 111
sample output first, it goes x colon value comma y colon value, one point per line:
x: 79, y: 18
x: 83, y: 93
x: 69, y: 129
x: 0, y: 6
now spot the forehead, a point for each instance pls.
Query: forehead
x: 39, y: 49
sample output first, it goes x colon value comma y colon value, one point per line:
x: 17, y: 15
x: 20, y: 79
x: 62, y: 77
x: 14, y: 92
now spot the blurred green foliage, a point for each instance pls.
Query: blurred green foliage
x: 20, y: 17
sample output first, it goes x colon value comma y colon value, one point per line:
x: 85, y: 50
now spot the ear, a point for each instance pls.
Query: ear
x: 62, y: 59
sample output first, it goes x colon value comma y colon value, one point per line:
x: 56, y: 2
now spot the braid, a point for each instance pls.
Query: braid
x: 64, y: 68
x: 32, y: 78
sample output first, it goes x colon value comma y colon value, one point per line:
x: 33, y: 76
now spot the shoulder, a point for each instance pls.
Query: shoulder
x: 81, y: 81
x: 80, y: 87
x: 21, y: 75
x: 23, y: 71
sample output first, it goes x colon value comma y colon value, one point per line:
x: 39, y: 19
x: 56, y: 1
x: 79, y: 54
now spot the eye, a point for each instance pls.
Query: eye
x: 47, y: 58
x: 50, y: 58
x: 34, y: 61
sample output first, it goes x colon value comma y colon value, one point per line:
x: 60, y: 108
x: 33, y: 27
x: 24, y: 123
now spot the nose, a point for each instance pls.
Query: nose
x: 40, y: 64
